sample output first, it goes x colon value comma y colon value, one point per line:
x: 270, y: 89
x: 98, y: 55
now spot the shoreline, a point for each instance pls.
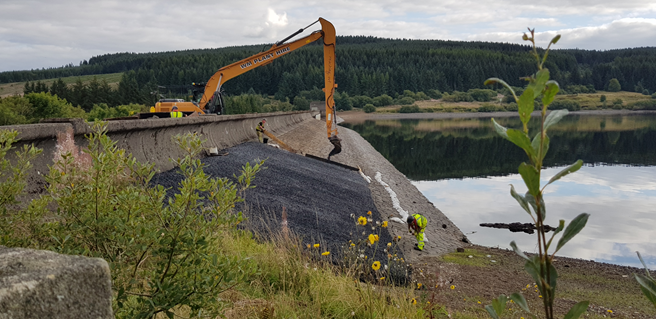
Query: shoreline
x: 357, y: 116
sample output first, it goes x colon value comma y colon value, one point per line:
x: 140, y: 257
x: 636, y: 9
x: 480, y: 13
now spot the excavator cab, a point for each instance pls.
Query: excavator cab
x: 216, y: 104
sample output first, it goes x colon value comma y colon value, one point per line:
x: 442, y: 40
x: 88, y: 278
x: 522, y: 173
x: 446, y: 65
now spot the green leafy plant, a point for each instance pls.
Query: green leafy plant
x: 646, y: 282
x: 164, y: 251
x: 539, y: 266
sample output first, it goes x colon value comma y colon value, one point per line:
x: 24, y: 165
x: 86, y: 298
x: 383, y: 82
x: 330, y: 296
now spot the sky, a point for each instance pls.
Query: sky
x: 38, y: 34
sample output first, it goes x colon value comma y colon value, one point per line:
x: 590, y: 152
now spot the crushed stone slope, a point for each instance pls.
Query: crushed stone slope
x: 319, y: 198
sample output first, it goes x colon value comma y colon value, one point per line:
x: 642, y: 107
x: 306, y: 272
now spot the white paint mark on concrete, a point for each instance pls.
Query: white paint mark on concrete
x: 395, y: 203
x: 393, y: 196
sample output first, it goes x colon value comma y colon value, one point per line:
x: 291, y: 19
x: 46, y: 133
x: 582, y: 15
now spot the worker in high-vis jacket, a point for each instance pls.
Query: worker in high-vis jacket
x: 260, y: 129
x: 416, y: 225
x: 175, y: 113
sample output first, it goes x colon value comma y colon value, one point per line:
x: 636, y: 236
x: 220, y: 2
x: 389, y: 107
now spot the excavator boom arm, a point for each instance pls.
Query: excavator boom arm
x: 276, y: 51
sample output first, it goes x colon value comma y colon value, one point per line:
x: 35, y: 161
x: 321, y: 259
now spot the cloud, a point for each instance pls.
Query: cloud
x: 622, y: 33
x: 40, y: 33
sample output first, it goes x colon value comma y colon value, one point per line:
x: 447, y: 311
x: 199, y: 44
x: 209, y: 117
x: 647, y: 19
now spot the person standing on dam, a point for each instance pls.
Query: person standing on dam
x: 175, y: 113
x: 260, y: 129
x: 416, y: 225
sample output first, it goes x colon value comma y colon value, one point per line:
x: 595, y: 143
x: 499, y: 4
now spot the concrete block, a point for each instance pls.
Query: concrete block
x: 44, y: 284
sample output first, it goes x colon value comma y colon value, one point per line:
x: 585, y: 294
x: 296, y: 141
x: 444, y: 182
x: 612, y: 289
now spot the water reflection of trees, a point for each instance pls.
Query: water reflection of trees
x: 476, y: 152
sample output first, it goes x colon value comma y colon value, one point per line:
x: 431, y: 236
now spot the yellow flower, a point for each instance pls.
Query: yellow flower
x: 369, y: 213
x: 384, y: 224
x: 419, y: 285
x: 452, y: 287
x: 376, y: 265
x: 540, y: 296
x: 373, y: 238
x: 413, y: 302
x: 362, y: 221
x: 326, y: 253
x: 63, y: 173
x: 316, y: 245
x: 479, y: 302
x: 382, y: 278
x: 389, y: 244
x: 398, y: 238
x: 527, y: 286
x: 610, y: 311
x: 376, y: 237
x: 353, y: 244
x: 72, y: 185
x: 308, y: 245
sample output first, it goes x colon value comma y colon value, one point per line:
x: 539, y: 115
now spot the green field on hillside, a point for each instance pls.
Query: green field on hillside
x: 11, y: 89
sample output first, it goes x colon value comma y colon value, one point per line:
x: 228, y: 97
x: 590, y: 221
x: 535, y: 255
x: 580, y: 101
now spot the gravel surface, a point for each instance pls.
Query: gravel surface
x: 319, y: 198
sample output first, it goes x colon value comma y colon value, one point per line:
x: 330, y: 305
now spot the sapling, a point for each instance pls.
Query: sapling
x: 539, y: 266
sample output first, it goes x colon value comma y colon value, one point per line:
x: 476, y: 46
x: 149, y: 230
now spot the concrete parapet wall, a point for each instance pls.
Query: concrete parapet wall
x: 148, y: 140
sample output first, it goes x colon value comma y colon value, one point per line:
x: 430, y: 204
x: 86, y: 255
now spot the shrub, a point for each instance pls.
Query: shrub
x: 569, y: 105
x: 101, y: 111
x: 409, y: 109
x: 618, y: 102
x: 301, y: 103
x: 511, y: 107
x: 158, y: 248
x: 490, y: 108
x: 382, y: 100
x: 421, y: 96
x: 603, y: 98
x: 614, y: 85
x: 642, y: 105
x: 457, y: 96
x: 360, y: 101
x: 342, y: 101
x: 15, y: 110
x: 574, y: 89
x: 645, y: 92
x: 482, y: 95
x: 369, y: 108
x: 434, y: 94
x: 404, y: 101
x: 45, y: 106
x: 410, y: 94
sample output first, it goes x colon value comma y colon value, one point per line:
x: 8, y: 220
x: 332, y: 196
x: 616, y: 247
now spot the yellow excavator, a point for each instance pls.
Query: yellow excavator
x: 207, y: 98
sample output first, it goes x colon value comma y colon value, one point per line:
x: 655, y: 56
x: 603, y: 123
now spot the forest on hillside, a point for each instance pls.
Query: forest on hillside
x: 366, y: 66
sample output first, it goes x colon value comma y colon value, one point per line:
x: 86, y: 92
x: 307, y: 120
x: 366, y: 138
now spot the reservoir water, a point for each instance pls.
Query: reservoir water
x: 465, y: 169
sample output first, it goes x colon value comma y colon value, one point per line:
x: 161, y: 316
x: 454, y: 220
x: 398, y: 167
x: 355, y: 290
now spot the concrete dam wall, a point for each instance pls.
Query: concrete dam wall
x: 148, y: 140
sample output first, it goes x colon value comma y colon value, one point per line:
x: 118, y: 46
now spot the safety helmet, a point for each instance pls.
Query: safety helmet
x: 410, y: 219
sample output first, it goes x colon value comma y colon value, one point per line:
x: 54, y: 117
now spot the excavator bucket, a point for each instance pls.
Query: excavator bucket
x: 337, y: 146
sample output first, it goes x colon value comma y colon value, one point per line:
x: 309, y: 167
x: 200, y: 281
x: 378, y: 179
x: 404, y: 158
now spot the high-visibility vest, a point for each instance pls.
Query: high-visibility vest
x: 421, y: 220
x: 176, y: 114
